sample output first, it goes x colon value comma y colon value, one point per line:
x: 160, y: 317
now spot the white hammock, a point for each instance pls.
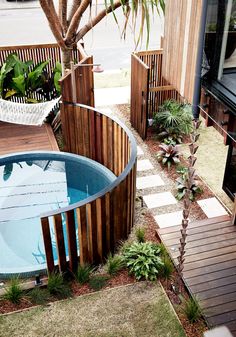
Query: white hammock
x: 23, y: 113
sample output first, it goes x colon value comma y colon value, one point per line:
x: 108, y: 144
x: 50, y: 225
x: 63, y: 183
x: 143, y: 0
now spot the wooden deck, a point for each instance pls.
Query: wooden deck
x: 20, y: 138
x: 210, y: 266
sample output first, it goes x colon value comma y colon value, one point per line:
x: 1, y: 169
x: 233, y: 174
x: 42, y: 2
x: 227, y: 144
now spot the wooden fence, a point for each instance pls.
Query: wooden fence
x: 78, y: 84
x: 149, y: 89
x: 51, y: 52
x: 182, y: 22
x: 106, y: 218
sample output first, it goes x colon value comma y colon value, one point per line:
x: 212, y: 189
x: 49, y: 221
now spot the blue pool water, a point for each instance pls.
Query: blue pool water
x: 31, y: 184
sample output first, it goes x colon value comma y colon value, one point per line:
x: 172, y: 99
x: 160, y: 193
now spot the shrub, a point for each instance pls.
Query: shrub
x: 181, y: 189
x: 14, y: 292
x: 83, y: 273
x: 140, y: 234
x: 97, y: 282
x: 168, y: 155
x: 39, y: 295
x: 143, y: 260
x: 192, y: 310
x: 174, y: 118
x: 114, y: 264
x: 56, y: 286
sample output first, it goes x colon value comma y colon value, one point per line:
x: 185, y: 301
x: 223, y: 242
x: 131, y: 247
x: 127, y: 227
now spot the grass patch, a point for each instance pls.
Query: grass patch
x: 97, y: 282
x: 119, y: 78
x: 141, y: 309
x: 39, y: 296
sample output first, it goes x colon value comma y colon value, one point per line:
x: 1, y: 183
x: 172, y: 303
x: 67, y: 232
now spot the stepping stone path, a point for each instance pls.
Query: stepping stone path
x: 156, y: 192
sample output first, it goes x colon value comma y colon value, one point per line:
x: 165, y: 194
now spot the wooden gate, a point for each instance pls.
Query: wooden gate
x: 149, y: 89
x: 139, y: 95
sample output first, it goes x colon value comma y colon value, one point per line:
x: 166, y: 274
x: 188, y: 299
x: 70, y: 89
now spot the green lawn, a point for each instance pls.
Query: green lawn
x: 120, y: 78
x: 139, y: 310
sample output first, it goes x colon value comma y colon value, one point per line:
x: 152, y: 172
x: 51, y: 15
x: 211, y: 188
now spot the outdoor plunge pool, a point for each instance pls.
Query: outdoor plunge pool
x: 34, y: 183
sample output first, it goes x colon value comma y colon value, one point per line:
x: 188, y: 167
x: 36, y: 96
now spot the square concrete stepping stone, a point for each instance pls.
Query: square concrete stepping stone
x: 212, y: 207
x: 159, y: 199
x: 144, y: 165
x: 169, y: 219
x: 149, y: 181
x: 139, y: 151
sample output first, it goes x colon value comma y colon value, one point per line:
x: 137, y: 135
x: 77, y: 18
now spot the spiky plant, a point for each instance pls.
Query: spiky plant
x: 192, y: 310
x: 114, y: 264
x: 168, y: 154
x: 83, y: 273
x: 174, y: 118
x: 14, y: 291
x: 140, y: 234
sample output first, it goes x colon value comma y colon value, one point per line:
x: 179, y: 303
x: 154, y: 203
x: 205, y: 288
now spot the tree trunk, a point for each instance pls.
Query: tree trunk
x: 66, y: 53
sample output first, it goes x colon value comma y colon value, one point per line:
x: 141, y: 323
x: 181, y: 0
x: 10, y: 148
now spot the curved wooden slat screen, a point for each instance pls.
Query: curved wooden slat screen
x: 107, y: 217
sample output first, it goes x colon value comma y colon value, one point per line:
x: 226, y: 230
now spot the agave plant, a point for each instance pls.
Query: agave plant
x: 168, y: 155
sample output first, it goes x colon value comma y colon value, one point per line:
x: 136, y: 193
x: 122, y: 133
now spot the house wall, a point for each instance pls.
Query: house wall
x: 182, y: 21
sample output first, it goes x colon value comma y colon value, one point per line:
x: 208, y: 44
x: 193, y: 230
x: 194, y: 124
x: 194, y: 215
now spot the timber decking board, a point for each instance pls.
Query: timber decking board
x: 210, y: 266
x: 20, y: 138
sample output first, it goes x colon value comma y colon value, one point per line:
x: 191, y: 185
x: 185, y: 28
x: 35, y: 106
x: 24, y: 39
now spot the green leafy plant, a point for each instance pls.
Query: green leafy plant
x: 83, y: 273
x: 181, y: 188
x: 192, y: 310
x: 22, y: 79
x: 14, y: 291
x: 168, y: 155
x: 174, y: 119
x: 114, y: 264
x: 97, y: 282
x: 143, y: 260
x: 140, y: 234
x: 182, y: 170
x: 39, y: 295
x: 171, y: 141
x: 57, y: 287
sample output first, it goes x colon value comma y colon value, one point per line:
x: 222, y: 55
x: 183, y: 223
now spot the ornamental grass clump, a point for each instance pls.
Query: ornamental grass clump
x: 14, y: 292
x: 143, y: 260
x: 140, y: 234
x: 168, y: 155
x: 114, y: 264
x: 57, y: 287
x: 192, y: 310
x: 83, y: 273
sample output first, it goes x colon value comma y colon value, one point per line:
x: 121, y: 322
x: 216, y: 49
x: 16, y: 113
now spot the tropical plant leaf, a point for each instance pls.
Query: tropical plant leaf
x: 35, y: 77
x: 10, y: 93
x: 19, y: 84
